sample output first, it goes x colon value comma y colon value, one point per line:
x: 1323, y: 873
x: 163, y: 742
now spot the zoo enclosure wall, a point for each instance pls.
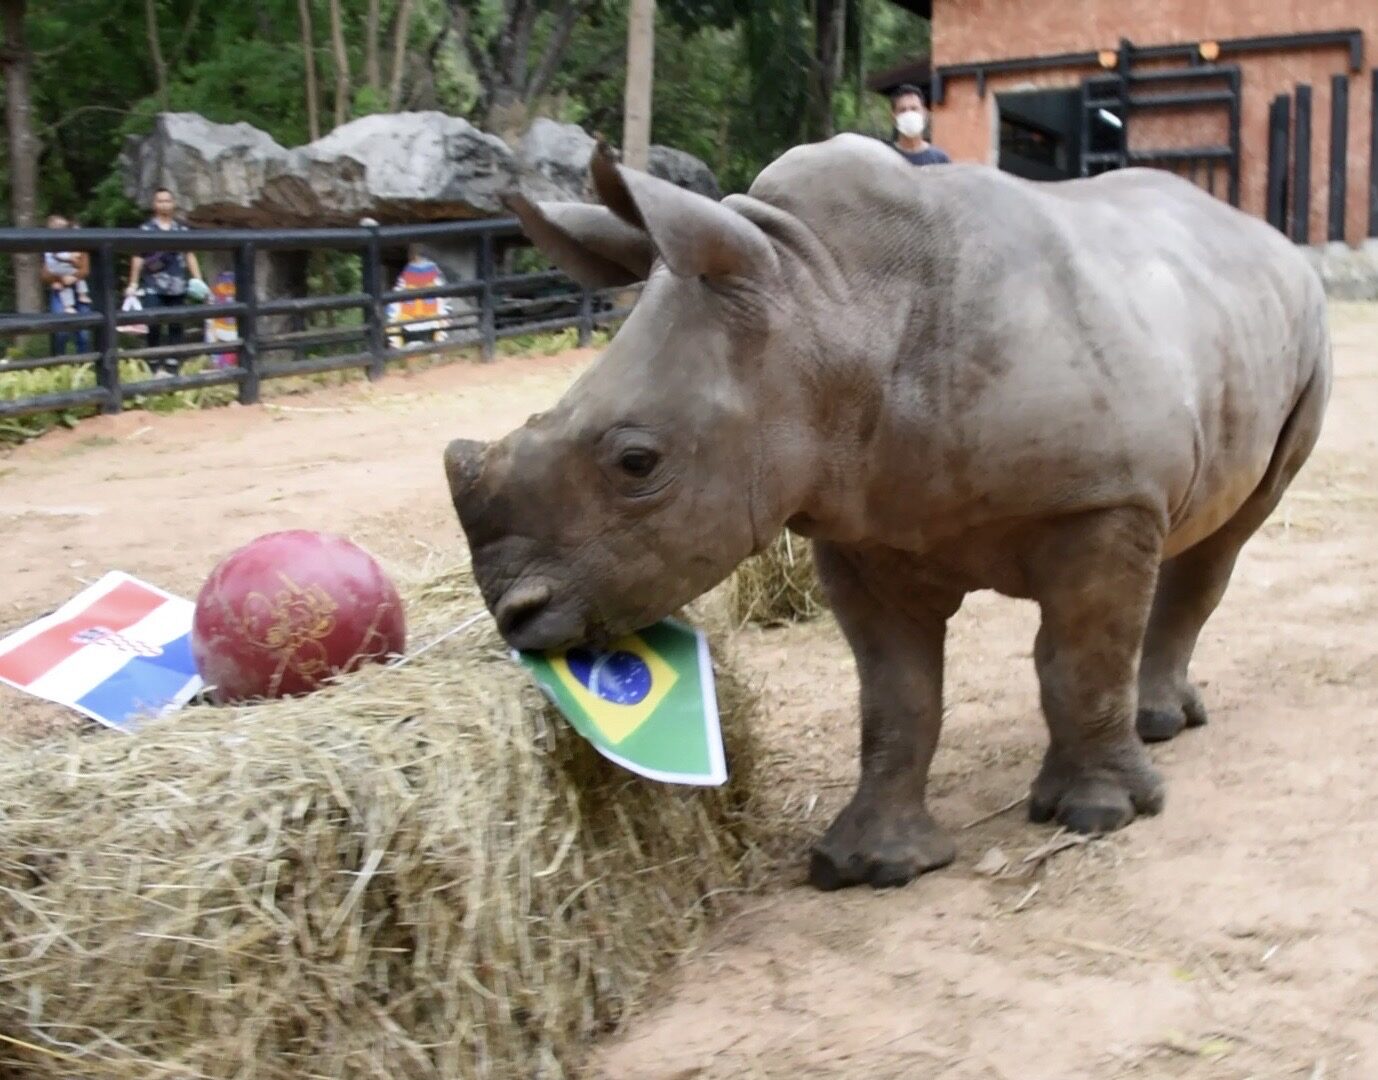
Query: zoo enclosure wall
x: 965, y: 122
x: 490, y: 305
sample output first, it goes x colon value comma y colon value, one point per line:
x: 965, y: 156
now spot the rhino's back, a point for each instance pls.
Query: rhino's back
x: 1122, y: 338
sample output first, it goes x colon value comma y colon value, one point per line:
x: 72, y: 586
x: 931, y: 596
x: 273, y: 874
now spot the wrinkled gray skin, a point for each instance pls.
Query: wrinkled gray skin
x: 1087, y: 394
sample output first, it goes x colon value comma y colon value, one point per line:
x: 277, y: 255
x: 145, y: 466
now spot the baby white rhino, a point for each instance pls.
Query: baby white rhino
x: 1088, y: 394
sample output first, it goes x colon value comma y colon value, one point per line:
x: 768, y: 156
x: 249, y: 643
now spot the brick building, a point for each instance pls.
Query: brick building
x: 1226, y: 92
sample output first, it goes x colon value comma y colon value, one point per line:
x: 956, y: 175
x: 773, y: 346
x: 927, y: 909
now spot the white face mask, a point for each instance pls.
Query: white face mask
x: 911, y: 123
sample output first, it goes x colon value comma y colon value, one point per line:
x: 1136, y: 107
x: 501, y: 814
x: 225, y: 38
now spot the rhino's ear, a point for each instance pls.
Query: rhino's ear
x: 589, y: 243
x: 692, y: 233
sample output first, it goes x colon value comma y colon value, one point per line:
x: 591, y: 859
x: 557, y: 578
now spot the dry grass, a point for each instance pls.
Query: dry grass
x: 778, y: 586
x: 418, y: 873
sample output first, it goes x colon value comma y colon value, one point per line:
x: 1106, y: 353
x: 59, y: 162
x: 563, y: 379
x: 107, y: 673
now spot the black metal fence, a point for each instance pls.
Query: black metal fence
x: 1290, y: 125
x: 484, y: 307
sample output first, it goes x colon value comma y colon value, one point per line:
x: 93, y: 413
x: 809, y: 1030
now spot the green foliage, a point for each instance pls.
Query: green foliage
x: 549, y: 343
x: 24, y: 384
x: 734, y: 78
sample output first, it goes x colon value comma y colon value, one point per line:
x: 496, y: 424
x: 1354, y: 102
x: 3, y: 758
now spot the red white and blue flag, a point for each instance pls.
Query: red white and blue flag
x: 118, y: 651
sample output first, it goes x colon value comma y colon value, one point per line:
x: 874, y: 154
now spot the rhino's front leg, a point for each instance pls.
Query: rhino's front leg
x: 1094, y: 577
x: 885, y: 835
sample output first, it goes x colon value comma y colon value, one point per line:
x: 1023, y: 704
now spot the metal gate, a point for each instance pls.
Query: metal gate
x: 1110, y: 102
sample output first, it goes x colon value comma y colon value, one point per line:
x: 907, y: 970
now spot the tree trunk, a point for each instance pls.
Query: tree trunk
x: 155, y: 51
x: 555, y: 48
x: 308, y: 49
x: 830, y: 35
x: 399, y: 55
x: 337, y: 41
x: 636, y: 111
x: 23, y: 150
x: 372, y: 73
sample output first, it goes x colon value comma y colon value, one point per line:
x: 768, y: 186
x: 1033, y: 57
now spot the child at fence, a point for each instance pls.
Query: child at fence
x: 414, y: 321
x: 65, y: 273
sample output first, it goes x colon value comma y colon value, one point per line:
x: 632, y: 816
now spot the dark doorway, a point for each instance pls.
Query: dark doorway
x: 1040, y: 133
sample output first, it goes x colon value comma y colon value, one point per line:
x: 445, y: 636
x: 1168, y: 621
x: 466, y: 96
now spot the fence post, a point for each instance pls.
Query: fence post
x: 246, y: 293
x: 107, y: 336
x: 1235, y: 87
x: 1373, y: 159
x: 376, y: 315
x: 1339, y: 147
x: 585, y: 317
x: 487, y: 316
x: 1277, y: 162
x: 1301, y: 169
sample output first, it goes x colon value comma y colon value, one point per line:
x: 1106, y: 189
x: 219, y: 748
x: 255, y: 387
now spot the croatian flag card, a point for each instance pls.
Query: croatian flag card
x: 118, y: 651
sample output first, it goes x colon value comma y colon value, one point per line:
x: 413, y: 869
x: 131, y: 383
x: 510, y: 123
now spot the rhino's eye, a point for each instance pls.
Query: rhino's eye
x: 638, y: 462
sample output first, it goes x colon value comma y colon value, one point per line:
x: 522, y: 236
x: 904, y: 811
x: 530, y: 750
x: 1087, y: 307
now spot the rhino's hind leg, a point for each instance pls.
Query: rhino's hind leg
x: 1094, y: 578
x: 885, y: 836
x: 1191, y: 585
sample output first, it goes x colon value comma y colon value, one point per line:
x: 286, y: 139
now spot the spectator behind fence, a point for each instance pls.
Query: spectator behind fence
x: 911, y: 119
x: 65, y: 272
x: 164, y: 277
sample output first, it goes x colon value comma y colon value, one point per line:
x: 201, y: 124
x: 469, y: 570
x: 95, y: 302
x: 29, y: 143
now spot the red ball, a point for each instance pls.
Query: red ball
x: 289, y: 610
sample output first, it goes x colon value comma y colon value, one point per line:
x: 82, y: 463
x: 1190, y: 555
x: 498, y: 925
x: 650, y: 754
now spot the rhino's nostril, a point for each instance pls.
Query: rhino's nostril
x: 519, y: 606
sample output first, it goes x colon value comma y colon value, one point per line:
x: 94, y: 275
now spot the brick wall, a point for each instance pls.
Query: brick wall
x: 969, y: 30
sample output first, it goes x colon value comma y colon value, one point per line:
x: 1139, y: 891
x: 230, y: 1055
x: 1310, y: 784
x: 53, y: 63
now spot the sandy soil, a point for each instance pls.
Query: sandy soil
x: 1234, y: 936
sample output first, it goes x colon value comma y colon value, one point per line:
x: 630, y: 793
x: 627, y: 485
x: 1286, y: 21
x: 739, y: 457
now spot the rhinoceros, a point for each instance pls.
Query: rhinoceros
x: 1088, y: 394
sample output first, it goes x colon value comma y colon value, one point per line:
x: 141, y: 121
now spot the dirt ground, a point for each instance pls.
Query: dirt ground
x: 1234, y: 936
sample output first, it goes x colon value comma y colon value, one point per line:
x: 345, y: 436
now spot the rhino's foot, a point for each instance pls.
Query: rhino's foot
x: 879, y: 847
x: 1161, y: 720
x: 1096, y: 798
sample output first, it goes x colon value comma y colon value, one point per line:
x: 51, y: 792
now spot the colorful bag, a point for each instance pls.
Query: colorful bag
x: 223, y: 329
x: 131, y: 303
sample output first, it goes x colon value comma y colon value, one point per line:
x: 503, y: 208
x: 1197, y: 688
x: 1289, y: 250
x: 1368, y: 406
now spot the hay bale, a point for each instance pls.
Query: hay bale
x: 420, y: 872
x: 778, y: 586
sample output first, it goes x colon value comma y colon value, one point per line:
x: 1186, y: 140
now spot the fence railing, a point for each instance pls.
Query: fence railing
x: 484, y: 307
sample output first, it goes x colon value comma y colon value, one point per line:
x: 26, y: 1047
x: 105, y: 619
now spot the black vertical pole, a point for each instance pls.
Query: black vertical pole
x: 1301, y: 169
x: 1126, y: 50
x: 1339, y: 147
x: 375, y: 316
x: 1373, y: 159
x: 487, y: 317
x: 1086, y: 94
x: 246, y: 293
x: 1234, y: 138
x: 585, y: 317
x: 1277, y: 162
x: 107, y: 336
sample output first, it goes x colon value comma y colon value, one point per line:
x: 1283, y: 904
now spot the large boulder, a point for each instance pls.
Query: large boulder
x: 216, y: 171
x: 684, y: 169
x: 396, y: 167
x: 560, y: 154
x: 399, y: 167
x: 403, y: 167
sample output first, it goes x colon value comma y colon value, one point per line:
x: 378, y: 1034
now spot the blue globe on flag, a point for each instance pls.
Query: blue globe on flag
x: 622, y: 678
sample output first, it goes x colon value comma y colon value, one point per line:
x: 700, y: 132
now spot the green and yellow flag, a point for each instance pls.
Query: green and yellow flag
x: 648, y: 702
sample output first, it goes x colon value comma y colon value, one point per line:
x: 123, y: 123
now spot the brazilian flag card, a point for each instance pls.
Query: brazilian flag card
x: 647, y: 702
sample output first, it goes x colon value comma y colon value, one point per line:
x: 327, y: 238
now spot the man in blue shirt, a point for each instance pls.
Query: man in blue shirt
x: 911, y: 120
